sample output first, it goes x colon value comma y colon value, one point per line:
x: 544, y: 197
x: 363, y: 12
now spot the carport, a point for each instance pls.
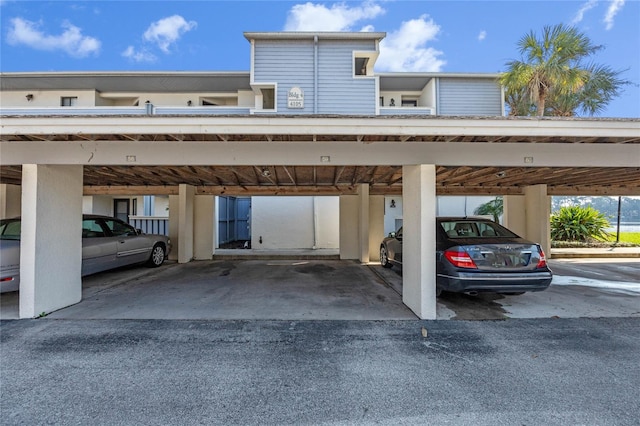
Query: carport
x: 192, y: 158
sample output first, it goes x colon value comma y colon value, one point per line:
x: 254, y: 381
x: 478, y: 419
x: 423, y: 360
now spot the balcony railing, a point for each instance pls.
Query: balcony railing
x: 150, y: 109
x: 150, y: 224
x: 419, y: 110
x: 147, y: 109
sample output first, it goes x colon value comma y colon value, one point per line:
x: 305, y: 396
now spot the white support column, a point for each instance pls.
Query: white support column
x: 204, y: 235
x: 514, y: 215
x: 376, y: 225
x: 174, y: 220
x: 10, y: 200
x: 363, y: 223
x: 419, y: 243
x: 349, y: 227
x: 528, y: 215
x: 186, y: 195
x: 51, y: 238
x: 538, y: 208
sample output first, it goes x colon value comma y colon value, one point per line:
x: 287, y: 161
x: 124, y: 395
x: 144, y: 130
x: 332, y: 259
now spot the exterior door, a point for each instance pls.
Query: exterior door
x: 121, y: 209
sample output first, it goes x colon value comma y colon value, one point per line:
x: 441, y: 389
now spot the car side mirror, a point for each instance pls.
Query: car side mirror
x: 138, y: 231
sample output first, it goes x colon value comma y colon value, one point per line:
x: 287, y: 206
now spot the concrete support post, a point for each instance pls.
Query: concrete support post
x: 186, y: 195
x: 203, y: 219
x: 363, y: 223
x: 528, y: 215
x: 514, y: 215
x: 419, y: 243
x: 174, y: 216
x: 538, y: 208
x: 349, y: 248
x: 376, y: 226
x: 10, y: 200
x: 51, y: 238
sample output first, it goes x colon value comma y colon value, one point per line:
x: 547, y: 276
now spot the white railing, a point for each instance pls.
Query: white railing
x: 419, y: 110
x: 150, y: 224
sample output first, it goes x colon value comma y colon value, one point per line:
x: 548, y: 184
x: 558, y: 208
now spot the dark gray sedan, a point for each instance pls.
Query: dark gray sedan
x: 477, y: 255
x: 107, y: 243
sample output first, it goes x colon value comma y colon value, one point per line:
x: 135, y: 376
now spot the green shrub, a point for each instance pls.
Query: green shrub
x: 577, y: 223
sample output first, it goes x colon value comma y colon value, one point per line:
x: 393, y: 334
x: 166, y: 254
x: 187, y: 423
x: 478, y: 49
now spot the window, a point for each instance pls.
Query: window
x: 120, y: 228
x: 268, y: 98
x: 10, y: 230
x: 91, y: 228
x: 67, y: 101
x: 361, y: 66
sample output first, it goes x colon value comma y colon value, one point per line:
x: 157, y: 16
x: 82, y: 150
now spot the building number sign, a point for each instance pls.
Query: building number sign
x: 295, y: 98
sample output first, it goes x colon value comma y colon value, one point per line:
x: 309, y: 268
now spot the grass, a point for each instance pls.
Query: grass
x: 627, y: 239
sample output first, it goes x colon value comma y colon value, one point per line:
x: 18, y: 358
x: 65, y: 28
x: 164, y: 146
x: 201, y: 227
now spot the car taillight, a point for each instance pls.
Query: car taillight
x: 542, y: 263
x: 460, y: 259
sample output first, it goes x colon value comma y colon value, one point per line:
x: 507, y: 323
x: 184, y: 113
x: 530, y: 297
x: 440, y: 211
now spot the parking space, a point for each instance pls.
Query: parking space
x: 285, y: 289
x: 581, y: 288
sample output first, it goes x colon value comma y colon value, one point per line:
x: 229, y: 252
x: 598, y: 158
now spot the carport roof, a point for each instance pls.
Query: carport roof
x: 435, y: 137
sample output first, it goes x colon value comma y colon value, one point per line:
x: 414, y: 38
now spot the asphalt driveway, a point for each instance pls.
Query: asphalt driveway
x: 159, y: 372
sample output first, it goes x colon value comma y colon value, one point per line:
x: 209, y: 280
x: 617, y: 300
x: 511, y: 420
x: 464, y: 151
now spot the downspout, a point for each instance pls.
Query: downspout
x: 315, y: 77
x: 315, y: 223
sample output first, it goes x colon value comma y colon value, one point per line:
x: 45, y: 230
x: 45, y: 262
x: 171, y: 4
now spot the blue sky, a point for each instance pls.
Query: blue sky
x: 446, y: 36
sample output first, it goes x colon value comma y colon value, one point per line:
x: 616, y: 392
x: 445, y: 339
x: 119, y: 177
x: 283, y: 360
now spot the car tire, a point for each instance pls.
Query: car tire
x: 384, y: 258
x: 157, y: 256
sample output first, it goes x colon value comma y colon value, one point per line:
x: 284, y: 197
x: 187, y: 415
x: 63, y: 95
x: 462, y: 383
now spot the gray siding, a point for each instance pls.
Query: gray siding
x: 339, y: 91
x: 288, y: 63
x: 469, y: 96
x: 291, y: 63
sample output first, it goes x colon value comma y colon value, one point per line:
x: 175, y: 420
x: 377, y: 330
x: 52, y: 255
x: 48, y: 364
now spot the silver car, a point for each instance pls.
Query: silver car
x: 107, y: 243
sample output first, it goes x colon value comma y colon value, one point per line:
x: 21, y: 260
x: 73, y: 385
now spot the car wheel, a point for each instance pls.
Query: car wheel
x: 157, y: 256
x: 384, y: 259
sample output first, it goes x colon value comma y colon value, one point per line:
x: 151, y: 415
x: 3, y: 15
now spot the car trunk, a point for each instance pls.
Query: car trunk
x: 503, y: 256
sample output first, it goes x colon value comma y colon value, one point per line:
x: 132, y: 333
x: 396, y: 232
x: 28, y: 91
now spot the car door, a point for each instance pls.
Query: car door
x: 130, y: 246
x: 394, y: 247
x: 99, y: 248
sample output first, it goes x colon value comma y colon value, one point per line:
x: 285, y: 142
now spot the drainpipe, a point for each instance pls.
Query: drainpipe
x: 315, y: 223
x: 315, y: 75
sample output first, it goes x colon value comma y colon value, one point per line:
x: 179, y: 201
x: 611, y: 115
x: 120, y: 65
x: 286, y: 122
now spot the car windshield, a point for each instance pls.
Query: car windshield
x: 9, y: 229
x: 469, y: 228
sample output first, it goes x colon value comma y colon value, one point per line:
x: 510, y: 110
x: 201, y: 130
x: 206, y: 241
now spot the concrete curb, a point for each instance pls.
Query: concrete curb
x: 576, y: 253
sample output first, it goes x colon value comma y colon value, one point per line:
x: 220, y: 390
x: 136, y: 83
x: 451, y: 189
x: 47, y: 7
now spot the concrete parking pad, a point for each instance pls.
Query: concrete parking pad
x: 241, y: 289
x: 288, y: 289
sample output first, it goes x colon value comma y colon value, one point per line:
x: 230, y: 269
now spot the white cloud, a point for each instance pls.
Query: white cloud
x: 583, y: 9
x: 482, y: 35
x: 405, y: 49
x: 614, y: 7
x: 138, y: 55
x: 339, y: 17
x: 71, y: 41
x: 167, y: 31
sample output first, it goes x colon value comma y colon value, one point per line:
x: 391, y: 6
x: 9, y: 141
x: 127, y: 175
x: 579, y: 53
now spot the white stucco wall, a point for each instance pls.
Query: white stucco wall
x: 46, y: 98
x: 97, y: 204
x: 10, y: 200
x: 288, y: 222
x: 392, y: 215
x: 452, y: 205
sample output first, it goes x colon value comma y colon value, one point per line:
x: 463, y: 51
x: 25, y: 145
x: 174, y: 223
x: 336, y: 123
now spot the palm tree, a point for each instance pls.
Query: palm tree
x: 600, y: 88
x: 552, y: 69
x: 493, y: 208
